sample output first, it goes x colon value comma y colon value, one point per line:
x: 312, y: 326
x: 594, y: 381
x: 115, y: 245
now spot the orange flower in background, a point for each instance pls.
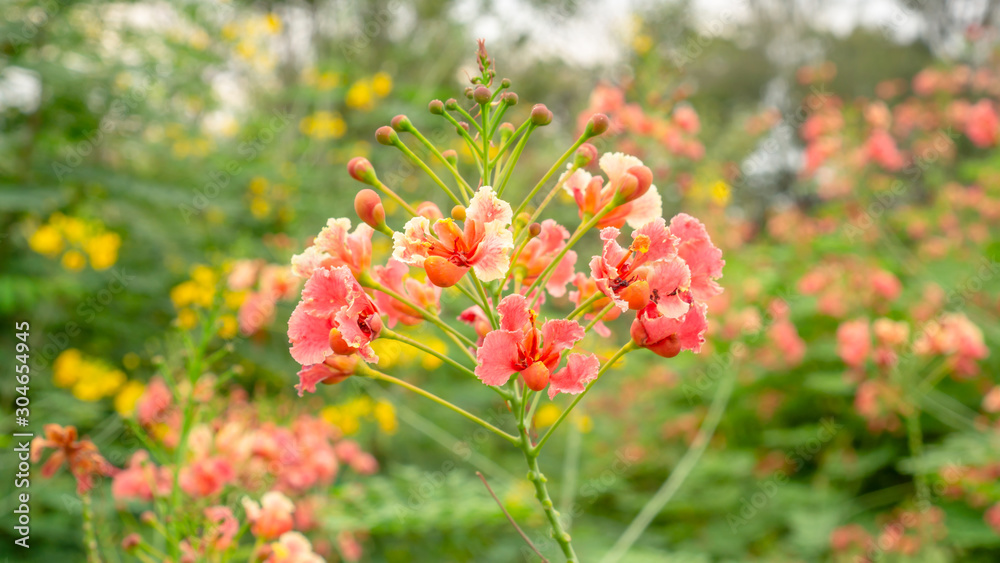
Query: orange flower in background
x: 84, y: 460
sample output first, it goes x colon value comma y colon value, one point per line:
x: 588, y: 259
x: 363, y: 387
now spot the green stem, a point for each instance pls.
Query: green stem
x: 461, y: 131
x: 582, y: 308
x: 628, y: 347
x: 511, y: 163
x: 679, y: 474
x: 366, y: 371
x: 513, y: 139
x: 486, y: 301
x: 402, y: 202
x: 392, y: 335
x: 548, y: 198
x: 399, y: 144
x: 463, y: 186
x: 484, y: 111
x: 468, y: 116
x: 89, y: 537
x: 562, y: 160
x: 541, y: 491
x: 571, y: 471
x: 597, y: 318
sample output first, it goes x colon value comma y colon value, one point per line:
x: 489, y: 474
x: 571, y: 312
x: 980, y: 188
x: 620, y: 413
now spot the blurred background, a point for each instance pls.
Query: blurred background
x: 842, y: 154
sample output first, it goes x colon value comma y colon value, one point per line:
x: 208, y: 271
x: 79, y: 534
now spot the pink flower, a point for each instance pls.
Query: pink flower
x: 955, y: 336
x: 206, y: 477
x: 687, y: 119
x: 623, y: 274
x: 881, y: 148
x: 292, y: 547
x: 476, y: 318
x: 517, y: 346
x: 586, y: 287
x: 334, y: 316
x: 982, y: 124
x: 141, y: 480
x: 256, y: 312
x: 702, y: 257
x: 992, y: 518
x: 243, y: 274
x: 592, y: 194
x: 154, y: 403
x: 333, y: 369
x: 885, y: 285
x: 394, y: 276
x: 854, y: 342
x: 222, y: 529
x: 350, y: 547
x: 667, y: 336
x: 335, y: 247
x: 278, y: 282
x: 272, y: 517
x: 483, y: 244
x: 540, y: 251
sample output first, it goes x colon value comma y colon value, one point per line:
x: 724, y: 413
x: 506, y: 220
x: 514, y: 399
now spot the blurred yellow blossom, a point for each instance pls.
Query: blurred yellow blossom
x: 89, y: 379
x: 323, y: 125
x: 229, y: 326
x: 273, y: 23
x: 46, y: 240
x: 131, y: 360
x: 382, y: 84
x: 66, y: 368
x: 547, y: 415
x: 360, y: 96
x: 128, y: 396
x: 187, y: 319
x: 103, y: 250
x: 74, y: 261
x: 385, y: 415
x: 720, y: 192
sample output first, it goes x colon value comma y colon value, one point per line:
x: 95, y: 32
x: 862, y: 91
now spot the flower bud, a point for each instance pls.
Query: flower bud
x: 509, y: 98
x: 368, y: 206
x: 667, y: 348
x: 536, y: 376
x: 540, y: 115
x: 458, y: 213
x: 361, y: 170
x: 597, y: 124
x: 429, y: 210
x: 463, y: 125
x: 586, y: 154
x: 401, y: 123
x: 635, y: 182
x: 534, y: 230
x: 505, y: 83
x: 131, y: 542
x: 442, y: 272
x: 482, y: 95
x: 436, y: 107
x: 468, y: 92
x: 506, y: 131
x: 385, y: 135
x: 451, y: 156
x: 451, y: 104
x: 147, y: 517
x: 522, y: 219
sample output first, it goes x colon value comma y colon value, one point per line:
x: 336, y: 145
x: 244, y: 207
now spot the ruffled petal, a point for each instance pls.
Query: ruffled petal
x: 309, y: 336
x: 492, y: 258
x: 647, y: 207
x: 497, y: 357
x: 580, y: 370
x: 410, y: 246
x: 514, y: 313
x: 486, y: 208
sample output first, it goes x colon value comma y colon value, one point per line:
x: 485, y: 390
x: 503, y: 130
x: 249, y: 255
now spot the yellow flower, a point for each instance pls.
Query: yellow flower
x: 229, y: 327
x: 720, y: 192
x: 323, y: 125
x: 234, y: 299
x: 203, y: 275
x: 74, y: 261
x: 74, y: 229
x: 230, y: 31
x: 127, y: 397
x: 584, y: 423
x: 187, y: 319
x: 66, y: 368
x: 46, y: 240
x: 97, y: 382
x: 385, y: 415
x: 259, y: 207
x: 184, y: 294
x: 246, y: 49
x: 642, y: 43
x: 258, y: 185
x: 131, y: 360
x: 103, y: 250
x: 273, y: 23
x: 360, y: 96
x: 547, y: 415
x: 428, y: 361
x: 382, y: 84
x: 327, y: 81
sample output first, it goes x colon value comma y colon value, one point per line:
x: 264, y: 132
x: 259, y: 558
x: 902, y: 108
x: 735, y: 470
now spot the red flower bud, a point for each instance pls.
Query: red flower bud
x: 386, y: 135
x: 667, y: 348
x: 368, y: 206
x: 509, y: 98
x: 540, y: 115
x: 635, y: 183
x: 535, y: 229
x: 401, y: 123
x: 131, y: 542
x: 586, y: 154
x: 482, y: 95
x: 436, y: 107
x: 597, y: 124
x: 442, y: 272
x: 361, y: 170
x: 451, y: 104
x: 536, y: 376
x: 451, y: 156
x: 505, y: 83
